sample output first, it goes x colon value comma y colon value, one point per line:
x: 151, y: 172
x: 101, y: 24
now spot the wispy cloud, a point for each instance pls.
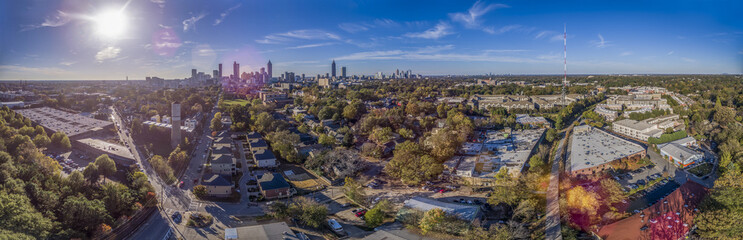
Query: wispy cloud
x: 440, y: 30
x: 352, y: 27
x: 670, y: 53
x: 470, y: 18
x: 311, y: 45
x: 600, y: 43
x: 433, y: 53
x: 223, y: 15
x: 623, y: 54
x: 384, y: 22
x: 501, y: 30
x: 543, y: 34
x: 107, y: 53
x: 689, y: 60
x: 58, y: 20
x: 304, y: 34
x: 190, y: 23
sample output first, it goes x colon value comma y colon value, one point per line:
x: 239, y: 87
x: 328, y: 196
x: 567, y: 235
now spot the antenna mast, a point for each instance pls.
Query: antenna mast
x: 565, y: 64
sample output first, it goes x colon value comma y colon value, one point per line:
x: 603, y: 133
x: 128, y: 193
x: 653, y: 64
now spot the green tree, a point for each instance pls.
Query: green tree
x: 200, y: 191
x: 308, y: 211
x: 19, y: 216
x: 381, y: 135
x: 77, y: 212
x: 117, y: 198
x: 326, y: 140
x: 432, y: 220
x: 40, y: 130
x: 354, y: 110
x: 283, y: 142
x: 216, y: 123
x: 178, y: 158
x: 264, y: 122
x: 406, y: 133
x: 374, y: 217
x: 106, y: 165
x: 354, y: 191
x: 61, y: 140
x: 91, y: 173
x: 536, y: 164
x: 550, y: 135
x: 41, y: 140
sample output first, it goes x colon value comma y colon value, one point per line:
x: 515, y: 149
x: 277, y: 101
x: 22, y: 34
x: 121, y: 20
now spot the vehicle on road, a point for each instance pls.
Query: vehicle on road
x: 176, y: 217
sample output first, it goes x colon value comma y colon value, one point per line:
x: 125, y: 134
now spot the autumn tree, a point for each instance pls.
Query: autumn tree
x: 200, y: 191
x: 581, y: 200
x: 412, y: 165
x: 216, y: 123
x: 354, y: 191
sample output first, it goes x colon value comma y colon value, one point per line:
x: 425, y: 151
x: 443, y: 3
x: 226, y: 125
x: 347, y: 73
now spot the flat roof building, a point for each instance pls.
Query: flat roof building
x: 591, y: 149
x: 271, y: 231
x: 74, y: 125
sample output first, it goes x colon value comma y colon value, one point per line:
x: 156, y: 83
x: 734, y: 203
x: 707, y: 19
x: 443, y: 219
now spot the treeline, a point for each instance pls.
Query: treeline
x: 36, y: 201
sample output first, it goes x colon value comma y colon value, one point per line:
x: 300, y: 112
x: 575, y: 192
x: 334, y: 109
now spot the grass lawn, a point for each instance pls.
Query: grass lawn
x: 241, y: 102
x: 701, y: 170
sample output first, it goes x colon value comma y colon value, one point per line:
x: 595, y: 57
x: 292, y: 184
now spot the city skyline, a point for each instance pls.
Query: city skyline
x: 116, y: 39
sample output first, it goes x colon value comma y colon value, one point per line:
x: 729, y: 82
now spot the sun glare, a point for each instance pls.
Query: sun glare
x: 110, y: 24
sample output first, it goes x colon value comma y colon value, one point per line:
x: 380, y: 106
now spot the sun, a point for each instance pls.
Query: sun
x: 110, y: 24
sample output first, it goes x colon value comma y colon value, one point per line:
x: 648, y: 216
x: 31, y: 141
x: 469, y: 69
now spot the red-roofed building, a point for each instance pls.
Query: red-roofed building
x: 670, y: 218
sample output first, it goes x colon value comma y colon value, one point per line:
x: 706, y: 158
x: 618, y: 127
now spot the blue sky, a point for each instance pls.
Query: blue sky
x: 166, y: 38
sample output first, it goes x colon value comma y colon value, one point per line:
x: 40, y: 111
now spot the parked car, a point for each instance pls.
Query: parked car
x: 335, y: 226
x: 360, y: 213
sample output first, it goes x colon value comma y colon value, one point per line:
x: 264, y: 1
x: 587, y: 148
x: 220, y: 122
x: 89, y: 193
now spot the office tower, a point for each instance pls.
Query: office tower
x: 343, y: 72
x: 332, y: 69
x: 193, y: 74
x: 220, y: 72
x: 270, y: 69
x: 236, y: 70
x: 302, y: 77
x: 175, y: 130
x: 327, y: 75
x: 216, y: 74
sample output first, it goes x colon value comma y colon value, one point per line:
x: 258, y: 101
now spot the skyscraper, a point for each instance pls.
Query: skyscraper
x: 220, y: 72
x: 193, y: 74
x: 332, y: 69
x: 175, y: 118
x: 270, y: 69
x: 236, y: 70
x: 343, y: 72
x: 216, y: 74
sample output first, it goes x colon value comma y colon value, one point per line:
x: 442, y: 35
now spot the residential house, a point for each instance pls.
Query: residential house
x: 217, y: 186
x: 273, y: 185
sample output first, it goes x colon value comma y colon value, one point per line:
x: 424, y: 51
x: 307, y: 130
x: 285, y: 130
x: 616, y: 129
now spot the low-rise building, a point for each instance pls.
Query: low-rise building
x: 679, y: 152
x: 271, y: 231
x: 217, y: 186
x: 273, y: 185
x: 591, y: 150
x: 265, y: 159
x: 465, y: 212
x: 259, y: 144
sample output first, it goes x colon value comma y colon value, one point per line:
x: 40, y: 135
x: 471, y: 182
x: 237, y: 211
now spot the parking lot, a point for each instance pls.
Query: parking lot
x: 71, y: 160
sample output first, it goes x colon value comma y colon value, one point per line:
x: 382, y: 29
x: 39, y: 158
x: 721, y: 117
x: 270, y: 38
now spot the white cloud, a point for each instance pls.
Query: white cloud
x: 58, y: 20
x: 311, y: 45
x: 440, y: 30
x: 600, y: 43
x: 623, y: 54
x: 352, y: 27
x: 107, y: 53
x: 470, y: 18
x: 689, y: 60
x: 67, y: 63
x: 223, y: 15
x: 160, y: 3
x: 304, y: 34
x: 558, y: 37
x: 190, y: 23
x: 670, y: 53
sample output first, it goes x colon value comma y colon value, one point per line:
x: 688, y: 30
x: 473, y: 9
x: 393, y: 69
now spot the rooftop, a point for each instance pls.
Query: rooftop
x: 464, y: 212
x: 271, y: 181
x: 216, y: 180
x: 58, y: 120
x: 594, y: 147
x: 271, y: 231
x: 263, y: 155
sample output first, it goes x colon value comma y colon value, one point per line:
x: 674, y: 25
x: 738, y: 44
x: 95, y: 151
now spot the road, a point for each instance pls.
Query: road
x: 172, y: 199
x: 552, y: 225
